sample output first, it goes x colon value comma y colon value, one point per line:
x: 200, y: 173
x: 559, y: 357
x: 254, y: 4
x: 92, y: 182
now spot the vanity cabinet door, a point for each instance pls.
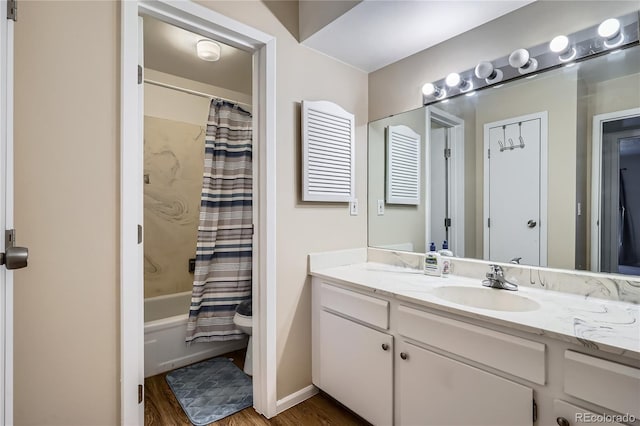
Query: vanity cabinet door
x: 356, y: 367
x: 435, y: 390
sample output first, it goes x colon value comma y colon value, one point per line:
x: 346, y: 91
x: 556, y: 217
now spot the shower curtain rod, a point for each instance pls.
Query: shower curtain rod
x: 194, y: 92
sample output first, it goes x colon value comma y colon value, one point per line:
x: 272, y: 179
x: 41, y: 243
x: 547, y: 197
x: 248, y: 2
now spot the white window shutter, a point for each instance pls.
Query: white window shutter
x: 403, y: 166
x: 328, y: 152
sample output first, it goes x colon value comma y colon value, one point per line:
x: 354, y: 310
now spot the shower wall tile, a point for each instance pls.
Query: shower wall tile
x: 173, y: 163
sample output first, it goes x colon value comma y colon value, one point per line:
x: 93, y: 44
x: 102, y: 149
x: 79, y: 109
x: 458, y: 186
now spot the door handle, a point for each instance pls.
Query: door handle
x: 13, y: 257
x: 532, y: 223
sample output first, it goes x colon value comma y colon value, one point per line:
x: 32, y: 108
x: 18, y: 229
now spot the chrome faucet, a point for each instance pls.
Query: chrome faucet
x: 496, y: 279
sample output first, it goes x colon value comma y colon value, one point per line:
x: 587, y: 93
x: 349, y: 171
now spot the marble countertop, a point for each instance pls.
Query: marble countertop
x: 607, y: 325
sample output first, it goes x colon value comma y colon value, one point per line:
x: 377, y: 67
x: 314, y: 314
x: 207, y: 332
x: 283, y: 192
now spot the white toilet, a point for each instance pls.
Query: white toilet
x: 244, y: 321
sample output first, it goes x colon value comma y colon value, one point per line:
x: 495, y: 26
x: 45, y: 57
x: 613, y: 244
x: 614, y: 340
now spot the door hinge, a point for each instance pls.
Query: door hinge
x: 12, y: 10
x: 253, y: 229
x: 139, y: 234
x: 140, y: 393
x: 139, y: 74
x: 488, y: 153
x: 447, y: 153
x: 488, y: 222
x: 535, y: 411
x: 447, y: 222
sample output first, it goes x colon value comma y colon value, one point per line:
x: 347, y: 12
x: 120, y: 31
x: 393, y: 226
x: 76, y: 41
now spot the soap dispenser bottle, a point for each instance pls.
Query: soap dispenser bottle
x: 445, y: 254
x: 432, y: 261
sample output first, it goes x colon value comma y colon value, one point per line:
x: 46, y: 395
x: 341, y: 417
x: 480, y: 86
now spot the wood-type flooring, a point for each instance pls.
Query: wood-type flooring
x: 161, y: 408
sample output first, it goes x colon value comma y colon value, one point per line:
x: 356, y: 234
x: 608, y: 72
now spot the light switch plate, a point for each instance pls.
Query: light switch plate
x: 380, y: 207
x: 353, y: 207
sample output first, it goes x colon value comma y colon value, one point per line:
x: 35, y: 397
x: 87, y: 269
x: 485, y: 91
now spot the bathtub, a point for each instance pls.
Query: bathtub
x: 165, y: 326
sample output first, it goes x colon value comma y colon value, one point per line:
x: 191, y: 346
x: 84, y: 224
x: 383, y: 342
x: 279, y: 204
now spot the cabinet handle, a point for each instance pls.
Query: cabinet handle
x: 385, y: 347
x: 403, y: 355
x: 562, y: 421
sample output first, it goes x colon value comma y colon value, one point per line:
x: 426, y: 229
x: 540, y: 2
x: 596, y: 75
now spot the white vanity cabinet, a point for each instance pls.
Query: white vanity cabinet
x: 397, y: 362
x: 436, y: 390
x: 352, y: 361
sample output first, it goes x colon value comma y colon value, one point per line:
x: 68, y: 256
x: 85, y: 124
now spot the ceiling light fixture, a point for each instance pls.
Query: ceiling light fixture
x: 560, y: 45
x: 522, y: 60
x: 208, y: 50
x: 486, y: 71
x: 610, y: 31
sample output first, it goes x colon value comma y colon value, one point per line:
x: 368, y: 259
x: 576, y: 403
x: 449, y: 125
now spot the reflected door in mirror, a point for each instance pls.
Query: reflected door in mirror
x: 513, y: 191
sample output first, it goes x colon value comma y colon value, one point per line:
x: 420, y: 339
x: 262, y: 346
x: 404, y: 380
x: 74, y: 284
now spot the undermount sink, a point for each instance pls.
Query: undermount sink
x: 486, y: 298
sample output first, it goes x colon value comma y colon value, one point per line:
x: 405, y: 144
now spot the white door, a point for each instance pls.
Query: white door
x: 513, y: 191
x: 433, y: 390
x: 356, y: 367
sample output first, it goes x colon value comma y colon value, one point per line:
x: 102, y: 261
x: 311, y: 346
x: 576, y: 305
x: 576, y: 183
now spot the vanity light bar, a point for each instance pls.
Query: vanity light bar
x: 611, y: 35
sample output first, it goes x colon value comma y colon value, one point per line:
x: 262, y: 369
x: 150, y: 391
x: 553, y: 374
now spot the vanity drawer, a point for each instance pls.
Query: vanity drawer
x: 365, y: 308
x: 514, y: 355
x: 605, y: 383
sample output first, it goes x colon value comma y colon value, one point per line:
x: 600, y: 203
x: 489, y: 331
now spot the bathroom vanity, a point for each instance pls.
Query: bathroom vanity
x: 398, y: 347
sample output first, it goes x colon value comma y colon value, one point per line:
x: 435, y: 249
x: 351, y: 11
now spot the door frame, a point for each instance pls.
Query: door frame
x: 455, y: 127
x: 6, y: 212
x: 199, y: 19
x: 596, y: 177
x: 543, y: 116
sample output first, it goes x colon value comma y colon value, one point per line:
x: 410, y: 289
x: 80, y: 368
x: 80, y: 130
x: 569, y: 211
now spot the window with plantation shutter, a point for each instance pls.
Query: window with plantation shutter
x: 328, y: 166
x: 403, y: 166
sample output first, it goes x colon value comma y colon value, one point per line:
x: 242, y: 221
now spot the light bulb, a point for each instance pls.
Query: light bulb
x: 609, y: 28
x: 559, y: 44
x: 521, y: 59
x: 486, y: 70
x: 428, y: 89
x: 453, y: 79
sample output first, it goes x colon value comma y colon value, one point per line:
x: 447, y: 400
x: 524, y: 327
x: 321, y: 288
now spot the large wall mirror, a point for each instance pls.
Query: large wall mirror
x: 544, y: 170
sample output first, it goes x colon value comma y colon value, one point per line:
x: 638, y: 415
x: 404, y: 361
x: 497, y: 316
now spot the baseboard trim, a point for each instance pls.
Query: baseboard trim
x: 295, y: 398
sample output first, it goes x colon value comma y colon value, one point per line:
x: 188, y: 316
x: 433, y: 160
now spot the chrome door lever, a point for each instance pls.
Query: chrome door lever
x: 13, y: 257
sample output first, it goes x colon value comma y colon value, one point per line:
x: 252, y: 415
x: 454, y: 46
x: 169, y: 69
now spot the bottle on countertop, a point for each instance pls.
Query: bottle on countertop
x: 432, y: 261
x: 445, y: 253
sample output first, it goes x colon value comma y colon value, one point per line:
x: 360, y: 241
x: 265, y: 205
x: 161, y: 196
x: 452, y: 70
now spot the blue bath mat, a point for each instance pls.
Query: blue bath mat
x: 211, y: 390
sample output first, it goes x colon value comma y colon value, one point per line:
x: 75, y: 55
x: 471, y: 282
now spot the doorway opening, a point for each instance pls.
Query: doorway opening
x: 197, y: 199
x: 445, y: 174
x: 618, y: 198
x: 260, y: 47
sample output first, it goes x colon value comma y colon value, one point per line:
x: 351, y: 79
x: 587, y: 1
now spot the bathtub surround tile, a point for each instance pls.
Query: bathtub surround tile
x: 173, y: 167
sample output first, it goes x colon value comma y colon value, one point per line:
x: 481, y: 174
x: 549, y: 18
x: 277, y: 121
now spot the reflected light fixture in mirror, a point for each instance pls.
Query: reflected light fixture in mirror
x: 208, y: 50
x: 610, y: 31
